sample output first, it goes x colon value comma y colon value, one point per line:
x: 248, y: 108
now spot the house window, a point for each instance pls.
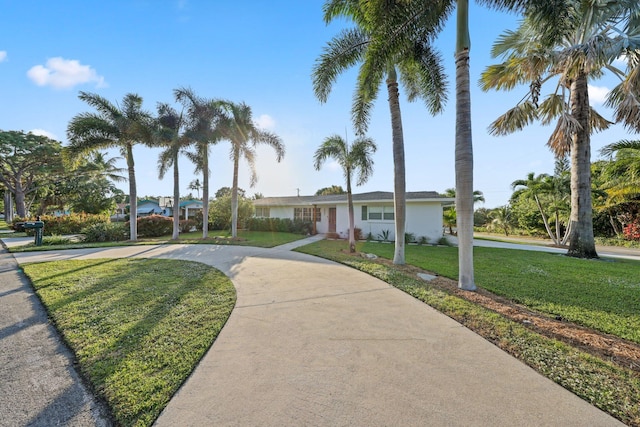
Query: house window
x: 377, y: 213
x: 262, y: 212
x: 306, y: 214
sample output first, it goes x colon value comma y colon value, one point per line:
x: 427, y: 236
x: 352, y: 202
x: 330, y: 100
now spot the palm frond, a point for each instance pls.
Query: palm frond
x: 560, y: 140
x: 341, y: 53
x: 515, y: 119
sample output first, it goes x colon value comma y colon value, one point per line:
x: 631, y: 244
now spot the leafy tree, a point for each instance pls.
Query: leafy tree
x: 587, y: 43
x: 202, y: 128
x: 238, y: 127
x: 353, y: 159
x: 412, y: 60
x: 334, y: 189
x: 227, y: 191
x: 26, y: 159
x: 221, y: 211
x: 112, y: 127
x: 169, y: 135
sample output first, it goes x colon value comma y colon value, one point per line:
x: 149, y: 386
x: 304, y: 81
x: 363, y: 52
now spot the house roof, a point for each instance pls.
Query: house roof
x: 331, y: 199
x: 190, y: 202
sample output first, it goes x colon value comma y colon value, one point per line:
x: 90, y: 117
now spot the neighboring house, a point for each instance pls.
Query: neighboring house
x: 149, y: 207
x: 190, y: 208
x: 373, y: 212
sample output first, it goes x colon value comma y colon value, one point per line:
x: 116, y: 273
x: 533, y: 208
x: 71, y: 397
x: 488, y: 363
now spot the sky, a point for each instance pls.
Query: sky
x: 261, y: 53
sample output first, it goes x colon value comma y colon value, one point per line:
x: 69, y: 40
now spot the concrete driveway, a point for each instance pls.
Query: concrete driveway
x: 312, y: 342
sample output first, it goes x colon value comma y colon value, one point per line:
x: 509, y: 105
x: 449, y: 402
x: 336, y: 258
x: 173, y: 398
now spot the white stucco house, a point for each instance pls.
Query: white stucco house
x: 373, y: 212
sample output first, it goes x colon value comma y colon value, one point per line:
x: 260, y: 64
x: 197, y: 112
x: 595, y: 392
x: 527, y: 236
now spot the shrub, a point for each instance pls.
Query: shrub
x: 369, y: 237
x: 71, y: 224
x: 56, y: 240
x: 106, y: 232
x: 155, y: 226
x: 632, y: 231
x: 409, y: 237
x: 423, y: 240
x: 283, y: 225
x: 187, y: 224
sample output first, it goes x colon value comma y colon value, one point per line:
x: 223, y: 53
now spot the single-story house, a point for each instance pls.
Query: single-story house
x: 189, y: 208
x: 149, y: 207
x: 373, y: 212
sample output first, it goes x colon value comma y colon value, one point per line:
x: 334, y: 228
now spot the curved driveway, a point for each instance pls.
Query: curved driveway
x: 314, y: 343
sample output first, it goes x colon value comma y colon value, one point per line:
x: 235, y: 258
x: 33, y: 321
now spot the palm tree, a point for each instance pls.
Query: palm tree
x: 239, y: 128
x: 354, y: 158
x: 112, y: 127
x: 413, y: 61
x: 170, y: 137
x: 201, y: 128
x: 450, y: 214
x: 620, y: 180
x: 195, y: 185
x: 501, y: 218
x: 593, y: 37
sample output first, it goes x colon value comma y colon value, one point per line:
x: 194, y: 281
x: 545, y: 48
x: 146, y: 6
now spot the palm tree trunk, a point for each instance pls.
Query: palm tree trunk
x: 133, y: 196
x: 234, y: 194
x: 581, y: 243
x: 352, y: 237
x: 545, y: 220
x: 464, y: 152
x: 205, y: 190
x: 399, y: 185
x: 176, y: 198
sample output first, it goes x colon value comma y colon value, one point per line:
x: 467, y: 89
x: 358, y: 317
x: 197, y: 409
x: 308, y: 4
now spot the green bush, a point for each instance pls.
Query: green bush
x: 283, y: 225
x: 187, y: 224
x: 106, y: 232
x: 155, y: 226
x: 68, y: 224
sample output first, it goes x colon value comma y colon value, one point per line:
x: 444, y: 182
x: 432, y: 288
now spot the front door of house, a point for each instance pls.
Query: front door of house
x: 332, y: 220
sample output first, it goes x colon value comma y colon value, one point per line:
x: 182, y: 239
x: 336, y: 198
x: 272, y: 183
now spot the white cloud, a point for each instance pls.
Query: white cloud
x: 598, y: 94
x: 63, y: 73
x: 265, y: 121
x: 3, y: 55
x: 43, y: 132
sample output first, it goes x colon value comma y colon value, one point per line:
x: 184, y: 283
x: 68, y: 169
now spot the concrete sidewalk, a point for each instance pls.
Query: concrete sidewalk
x: 312, y: 342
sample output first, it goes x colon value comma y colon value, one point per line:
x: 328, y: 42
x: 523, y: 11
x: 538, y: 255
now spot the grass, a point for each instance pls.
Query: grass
x: 547, y: 280
x: 263, y: 239
x: 138, y: 327
x: 599, y: 294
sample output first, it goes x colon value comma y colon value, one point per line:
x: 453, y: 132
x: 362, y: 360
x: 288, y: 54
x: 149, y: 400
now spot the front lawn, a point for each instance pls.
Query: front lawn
x: 263, y: 239
x: 598, y: 293
x: 138, y: 327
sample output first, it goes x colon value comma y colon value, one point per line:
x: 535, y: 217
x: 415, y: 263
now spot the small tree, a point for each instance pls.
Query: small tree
x: 355, y: 158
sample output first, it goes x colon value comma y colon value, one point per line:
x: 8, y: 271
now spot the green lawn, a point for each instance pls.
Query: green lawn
x: 263, y: 239
x: 138, y: 327
x: 600, y: 294
x: 606, y: 290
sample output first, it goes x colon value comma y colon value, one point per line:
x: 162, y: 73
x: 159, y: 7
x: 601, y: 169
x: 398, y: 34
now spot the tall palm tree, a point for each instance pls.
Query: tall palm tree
x: 112, y: 126
x: 169, y: 136
x: 413, y: 61
x: 354, y: 158
x: 593, y: 37
x: 239, y: 128
x: 202, y: 128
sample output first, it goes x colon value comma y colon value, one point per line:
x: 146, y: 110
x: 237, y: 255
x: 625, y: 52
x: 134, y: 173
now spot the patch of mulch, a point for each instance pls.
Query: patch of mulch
x: 607, y: 347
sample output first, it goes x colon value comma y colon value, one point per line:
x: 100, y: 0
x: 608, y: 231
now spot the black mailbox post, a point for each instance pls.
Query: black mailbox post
x: 37, y: 227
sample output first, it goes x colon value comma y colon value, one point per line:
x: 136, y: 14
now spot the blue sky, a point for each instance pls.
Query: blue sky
x: 261, y: 53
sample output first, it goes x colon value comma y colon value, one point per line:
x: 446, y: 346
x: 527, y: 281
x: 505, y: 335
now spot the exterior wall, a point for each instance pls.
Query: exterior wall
x: 423, y: 219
